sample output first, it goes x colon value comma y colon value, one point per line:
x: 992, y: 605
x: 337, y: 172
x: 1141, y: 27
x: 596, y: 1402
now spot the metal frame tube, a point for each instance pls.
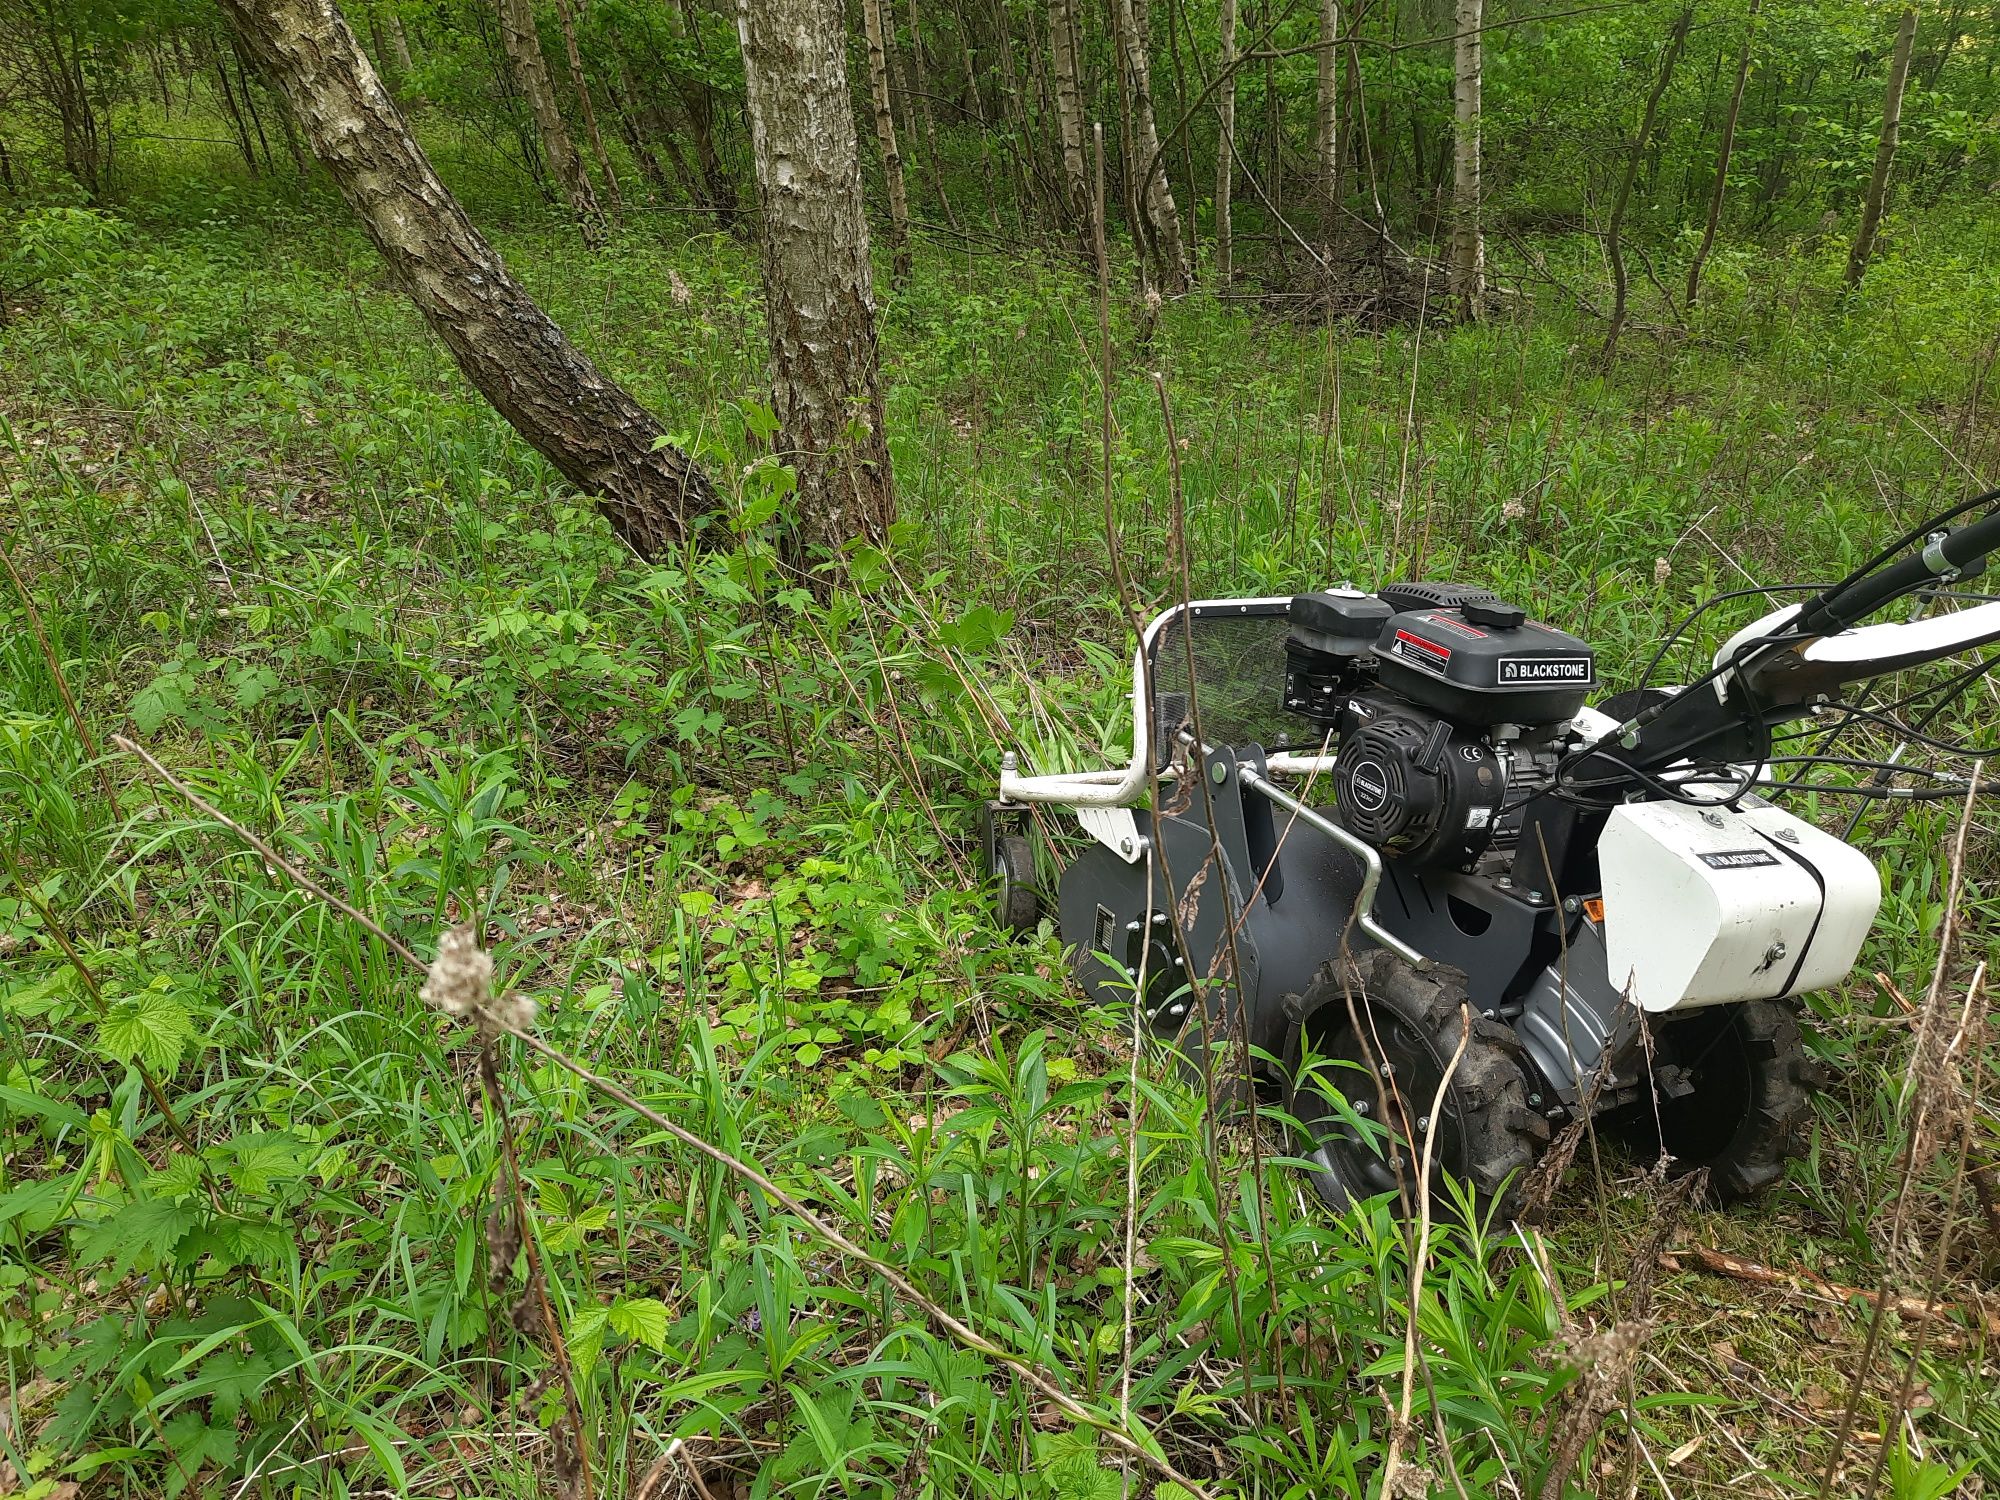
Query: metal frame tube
x: 1364, y: 899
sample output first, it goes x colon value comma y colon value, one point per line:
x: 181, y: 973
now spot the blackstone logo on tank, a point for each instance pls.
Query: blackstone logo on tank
x: 1545, y: 669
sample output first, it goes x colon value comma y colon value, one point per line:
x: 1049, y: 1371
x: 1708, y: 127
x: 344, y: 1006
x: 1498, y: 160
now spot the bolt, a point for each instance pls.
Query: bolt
x: 1535, y: 897
x: 1505, y: 882
x: 1423, y: 1122
x: 1489, y: 1014
x: 1388, y: 1070
x: 1572, y: 903
x: 1124, y: 846
x: 1361, y: 1106
x: 1536, y: 1100
x: 1218, y: 773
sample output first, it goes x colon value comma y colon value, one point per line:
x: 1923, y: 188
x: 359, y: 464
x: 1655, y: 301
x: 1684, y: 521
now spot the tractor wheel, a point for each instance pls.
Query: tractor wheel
x: 1010, y: 865
x: 1399, y: 1034
x: 1733, y: 1088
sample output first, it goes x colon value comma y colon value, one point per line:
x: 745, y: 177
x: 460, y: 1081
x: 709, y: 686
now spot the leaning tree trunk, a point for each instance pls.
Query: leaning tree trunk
x: 1614, y: 229
x: 531, y: 77
x: 1155, y: 194
x: 596, y: 435
x: 819, y: 297
x: 1722, y: 155
x: 1225, y: 149
x: 1468, y: 243
x: 885, y: 135
x: 1885, y: 148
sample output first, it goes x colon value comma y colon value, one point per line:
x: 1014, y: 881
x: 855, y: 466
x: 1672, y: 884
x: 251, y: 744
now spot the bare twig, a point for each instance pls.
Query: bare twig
x: 1802, y: 1282
x: 1421, y: 1254
x: 1925, y: 1052
x: 271, y: 856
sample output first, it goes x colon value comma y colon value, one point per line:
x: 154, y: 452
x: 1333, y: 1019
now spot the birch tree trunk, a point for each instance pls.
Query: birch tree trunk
x: 819, y: 297
x: 1225, y: 149
x: 1722, y: 155
x: 885, y: 135
x: 1069, y: 104
x: 567, y: 17
x: 1468, y: 243
x: 1326, y: 118
x: 531, y: 77
x: 399, y: 46
x: 1156, y: 195
x: 595, y: 434
x: 1885, y: 149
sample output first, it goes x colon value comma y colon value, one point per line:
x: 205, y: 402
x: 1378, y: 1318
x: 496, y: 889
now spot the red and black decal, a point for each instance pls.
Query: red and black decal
x: 1422, y: 653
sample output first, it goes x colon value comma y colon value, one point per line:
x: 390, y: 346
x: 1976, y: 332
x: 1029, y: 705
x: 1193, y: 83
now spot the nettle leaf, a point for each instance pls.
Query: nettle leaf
x: 138, y: 1236
x: 564, y: 1237
x: 586, y: 1339
x: 641, y: 1319
x: 195, y: 1444
x: 151, y: 1027
x: 231, y: 1378
x: 179, y: 1179
x: 262, y: 1159
x: 161, y: 699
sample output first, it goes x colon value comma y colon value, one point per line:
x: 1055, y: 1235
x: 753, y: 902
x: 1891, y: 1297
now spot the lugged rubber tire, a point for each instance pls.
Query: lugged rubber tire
x: 1492, y: 1136
x: 1750, y: 1111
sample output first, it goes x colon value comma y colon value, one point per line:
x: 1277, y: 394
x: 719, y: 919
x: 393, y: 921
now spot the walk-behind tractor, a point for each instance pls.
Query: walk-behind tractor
x: 1376, y: 857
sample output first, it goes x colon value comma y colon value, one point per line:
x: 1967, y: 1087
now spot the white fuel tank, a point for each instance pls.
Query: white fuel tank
x: 1704, y: 905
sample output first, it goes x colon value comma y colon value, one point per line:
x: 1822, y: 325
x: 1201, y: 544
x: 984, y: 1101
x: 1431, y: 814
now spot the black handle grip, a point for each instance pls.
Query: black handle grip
x: 1839, y: 608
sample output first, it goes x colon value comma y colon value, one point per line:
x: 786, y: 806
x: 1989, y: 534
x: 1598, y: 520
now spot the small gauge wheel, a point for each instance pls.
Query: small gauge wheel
x: 1017, y: 906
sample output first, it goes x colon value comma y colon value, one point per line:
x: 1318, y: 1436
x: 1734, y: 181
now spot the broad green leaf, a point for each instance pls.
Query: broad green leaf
x: 586, y: 1339
x: 641, y: 1319
x: 264, y: 1158
x: 137, y: 1237
x: 150, y: 1028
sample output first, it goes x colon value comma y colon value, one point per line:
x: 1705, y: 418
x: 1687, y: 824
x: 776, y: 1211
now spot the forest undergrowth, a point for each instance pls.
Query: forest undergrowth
x: 269, y: 1225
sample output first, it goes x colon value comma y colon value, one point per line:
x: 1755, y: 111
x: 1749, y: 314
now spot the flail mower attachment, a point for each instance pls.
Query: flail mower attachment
x: 1376, y: 857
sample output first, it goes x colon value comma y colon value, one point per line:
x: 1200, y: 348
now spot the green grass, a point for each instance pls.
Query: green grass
x: 721, y: 832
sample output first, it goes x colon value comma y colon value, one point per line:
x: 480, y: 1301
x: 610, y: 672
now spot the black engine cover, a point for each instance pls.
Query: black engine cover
x: 1417, y: 787
x: 1480, y: 662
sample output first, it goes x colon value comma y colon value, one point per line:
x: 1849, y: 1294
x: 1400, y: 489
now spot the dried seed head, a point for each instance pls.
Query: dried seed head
x: 1662, y: 571
x: 1513, y: 510
x: 514, y: 1010
x: 461, y: 976
x: 678, y: 289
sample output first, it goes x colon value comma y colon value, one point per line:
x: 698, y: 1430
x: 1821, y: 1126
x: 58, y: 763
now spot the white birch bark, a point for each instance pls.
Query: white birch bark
x: 819, y: 294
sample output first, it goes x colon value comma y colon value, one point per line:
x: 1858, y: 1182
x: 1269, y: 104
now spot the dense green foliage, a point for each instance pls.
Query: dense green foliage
x: 973, y: 96
x: 720, y: 829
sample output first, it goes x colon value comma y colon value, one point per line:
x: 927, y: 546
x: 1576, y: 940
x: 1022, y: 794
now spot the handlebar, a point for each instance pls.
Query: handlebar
x: 1945, y: 554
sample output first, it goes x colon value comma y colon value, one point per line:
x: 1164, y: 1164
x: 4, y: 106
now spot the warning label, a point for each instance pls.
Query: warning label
x: 1420, y: 652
